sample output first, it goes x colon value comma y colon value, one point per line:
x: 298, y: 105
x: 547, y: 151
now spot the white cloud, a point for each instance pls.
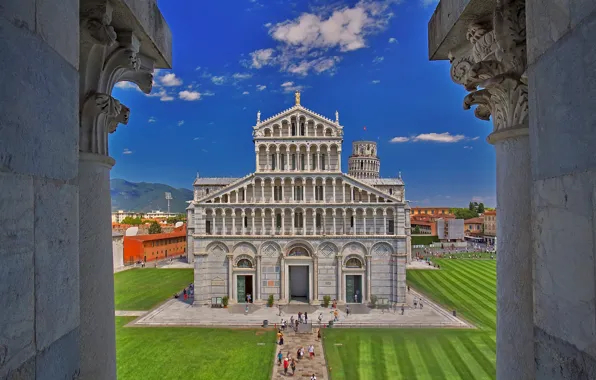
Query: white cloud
x: 268, y: 25
x: 181, y: 123
x: 445, y: 137
x: 152, y: 119
x: 125, y: 85
x: 241, y: 76
x: 198, y: 68
x: 291, y: 87
x: 245, y: 93
x: 468, y: 147
x: 376, y: 81
x: 377, y: 60
x: 346, y: 28
x: 189, y: 95
x: 170, y: 80
x: 261, y: 87
x: 218, y: 80
x: 475, y: 138
x: 198, y: 138
x: 399, y: 140
x: 204, y: 150
x: 392, y: 40
x: 207, y: 93
x: 262, y: 57
x: 127, y: 151
x: 160, y: 93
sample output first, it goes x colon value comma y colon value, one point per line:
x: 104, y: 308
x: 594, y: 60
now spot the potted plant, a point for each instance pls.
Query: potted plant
x: 225, y: 300
x: 270, y: 300
x: 373, y: 300
x: 326, y: 301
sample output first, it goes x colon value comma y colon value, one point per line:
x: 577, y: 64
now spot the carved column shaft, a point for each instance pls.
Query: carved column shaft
x: 493, y: 68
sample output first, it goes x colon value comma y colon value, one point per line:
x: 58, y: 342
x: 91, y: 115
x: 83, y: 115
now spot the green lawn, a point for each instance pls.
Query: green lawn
x: 469, y: 286
x: 164, y: 353
x: 142, y: 289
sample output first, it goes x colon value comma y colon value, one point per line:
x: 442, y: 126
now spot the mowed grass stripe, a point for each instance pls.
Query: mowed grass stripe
x: 389, y: 357
x: 406, y: 367
x: 434, y: 367
x: 478, y: 275
x: 447, y: 368
x: 349, y: 356
x: 490, y: 341
x: 479, y: 294
x: 473, y: 365
x: 465, y: 300
x: 474, y: 350
x: 366, y: 364
x: 379, y: 367
x: 450, y: 292
x: 422, y: 371
x: 453, y: 355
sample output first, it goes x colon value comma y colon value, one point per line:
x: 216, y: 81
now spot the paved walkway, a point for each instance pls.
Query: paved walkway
x: 305, y: 367
x: 129, y: 313
x: 178, y: 313
x: 420, y: 264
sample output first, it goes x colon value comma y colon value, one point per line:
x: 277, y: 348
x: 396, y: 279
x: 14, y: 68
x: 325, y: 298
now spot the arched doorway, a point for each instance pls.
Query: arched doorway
x: 298, y: 264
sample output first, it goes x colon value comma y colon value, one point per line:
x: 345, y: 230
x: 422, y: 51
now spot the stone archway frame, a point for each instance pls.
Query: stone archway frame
x: 354, y: 256
x: 244, y: 248
x: 243, y: 256
x: 309, y: 261
x: 382, y: 249
x: 217, y: 248
x: 349, y: 249
x: 270, y: 249
x: 327, y: 249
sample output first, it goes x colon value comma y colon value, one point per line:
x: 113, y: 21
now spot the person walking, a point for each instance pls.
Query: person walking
x: 347, y: 310
x: 292, y: 320
x: 313, y: 377
x: 286, y: 365
x: 421, y: 303
x: 336, y: 315
x: 185, y: 294
x: 305, y: 317
x: 293, y: 366
x: 281, y: 340
x: 415, y: 302
x: 280, y: 356
x: 279, y: 336
x: 319, y: 335
x: 311, y: 351
x: 402, y: 309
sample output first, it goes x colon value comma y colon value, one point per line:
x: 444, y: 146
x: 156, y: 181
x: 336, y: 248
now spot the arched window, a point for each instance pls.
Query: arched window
x: 298, y: 251
x: 353, y: 263
x: 244, y: 263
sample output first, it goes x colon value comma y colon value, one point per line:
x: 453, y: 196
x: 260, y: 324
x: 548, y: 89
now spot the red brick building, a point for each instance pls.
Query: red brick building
x: 155, y: 247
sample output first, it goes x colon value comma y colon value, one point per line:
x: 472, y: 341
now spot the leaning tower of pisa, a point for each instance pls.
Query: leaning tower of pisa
x: 363, y: 162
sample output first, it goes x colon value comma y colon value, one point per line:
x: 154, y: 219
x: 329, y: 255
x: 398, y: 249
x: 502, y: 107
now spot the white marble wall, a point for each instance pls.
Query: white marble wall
x: 39, y: 295
x: 562, y: 82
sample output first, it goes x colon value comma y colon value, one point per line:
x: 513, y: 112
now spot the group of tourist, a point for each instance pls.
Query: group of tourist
x: 187, y: 292
x: 417, y: 301
x: 290, y: 363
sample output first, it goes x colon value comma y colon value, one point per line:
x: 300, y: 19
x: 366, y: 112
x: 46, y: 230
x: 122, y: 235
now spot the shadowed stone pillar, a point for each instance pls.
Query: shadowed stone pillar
x: 110, y: 52
x: 368, y: 277
x: 339, y: 277
x: 258, y: 282
x: 282, y: 275
x: 491, y: 64
x: 230, y: 277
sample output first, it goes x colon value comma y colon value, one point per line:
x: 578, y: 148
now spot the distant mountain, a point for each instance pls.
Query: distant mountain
x: 143, y: 196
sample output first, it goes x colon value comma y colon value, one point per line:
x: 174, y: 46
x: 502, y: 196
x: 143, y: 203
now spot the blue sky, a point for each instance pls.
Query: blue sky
x: 367, y: 59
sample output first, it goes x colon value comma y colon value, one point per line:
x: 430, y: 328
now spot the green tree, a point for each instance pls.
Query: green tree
x: 154, y: 228
x: 416, y: 230
x: 464, y: 213
x: 480, y: 209
x: 471, y: 207
x: 132, y: 221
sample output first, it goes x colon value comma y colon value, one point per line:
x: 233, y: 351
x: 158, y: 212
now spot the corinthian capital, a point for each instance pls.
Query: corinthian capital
x: 493, y: 68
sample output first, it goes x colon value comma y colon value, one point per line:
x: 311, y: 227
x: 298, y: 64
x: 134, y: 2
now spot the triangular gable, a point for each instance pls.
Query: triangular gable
x: 367, y: 187
x: 283, y: 114
x: 223, y: 190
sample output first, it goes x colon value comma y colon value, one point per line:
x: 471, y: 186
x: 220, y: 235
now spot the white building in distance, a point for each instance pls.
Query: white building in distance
x: 298, y: 228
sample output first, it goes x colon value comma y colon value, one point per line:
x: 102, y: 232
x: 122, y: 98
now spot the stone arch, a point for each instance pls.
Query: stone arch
x: 381, y: 249
x: 217, y: 246
x: 245, y: 248
x: 239, y: 258
x: 327, y: 249
x: 300, y: 243
x: 354, y: 248
x: 350, y: 259
x: 270, y: 249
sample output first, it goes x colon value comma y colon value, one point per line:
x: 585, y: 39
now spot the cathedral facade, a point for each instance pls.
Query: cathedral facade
x: 298, y: 228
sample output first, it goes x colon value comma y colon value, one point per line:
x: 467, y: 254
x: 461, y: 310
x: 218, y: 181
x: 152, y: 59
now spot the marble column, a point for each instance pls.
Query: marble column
x: 319, y: 160
x: 324, y: 190
x: 308, y: 161
x: 343, y: 192
x: 492, y: 66
x: 230, y: 277
x: 374, y: 222
x: 95, y: 266
x: 233, y: 222
x: 333, y: 216
x: 368, y: 277
x: 272, y: 222
x: 314, y: 222
x: 223, y: 222
x: 252, y: 214
x: 339, y: 277
x: 262, y: 191
x: 277, y: 161
x: 283, y: 221
x: 267, y: 159
x: 243, y: 221
x: 282, y: 275
x: 333, y: 184
x: 339, y: 160
x: 258, y: 281
x: 314, y: 190
x: 272, y: 190
x: 364, y: 222
x: 107, y: 54
x: 315, y: 290
x: 384, y: 222
x: 293, y: 222
x: 262, y: 222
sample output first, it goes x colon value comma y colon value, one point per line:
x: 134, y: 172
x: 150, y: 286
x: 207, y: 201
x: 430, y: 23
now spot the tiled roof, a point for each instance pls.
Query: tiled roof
x: 382, y: 181
x: 179, y: 232
x: 478, y: 220
x: 490, y: 212
x: 214, y: 180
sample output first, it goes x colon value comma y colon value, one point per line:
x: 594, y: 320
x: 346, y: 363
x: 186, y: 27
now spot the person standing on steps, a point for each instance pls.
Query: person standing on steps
x: 305, y: 317
x: 319, y: 335
x: 280, y: 356
x: 293, y: 366
x: 313, y: 377
x: 286, y: 365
